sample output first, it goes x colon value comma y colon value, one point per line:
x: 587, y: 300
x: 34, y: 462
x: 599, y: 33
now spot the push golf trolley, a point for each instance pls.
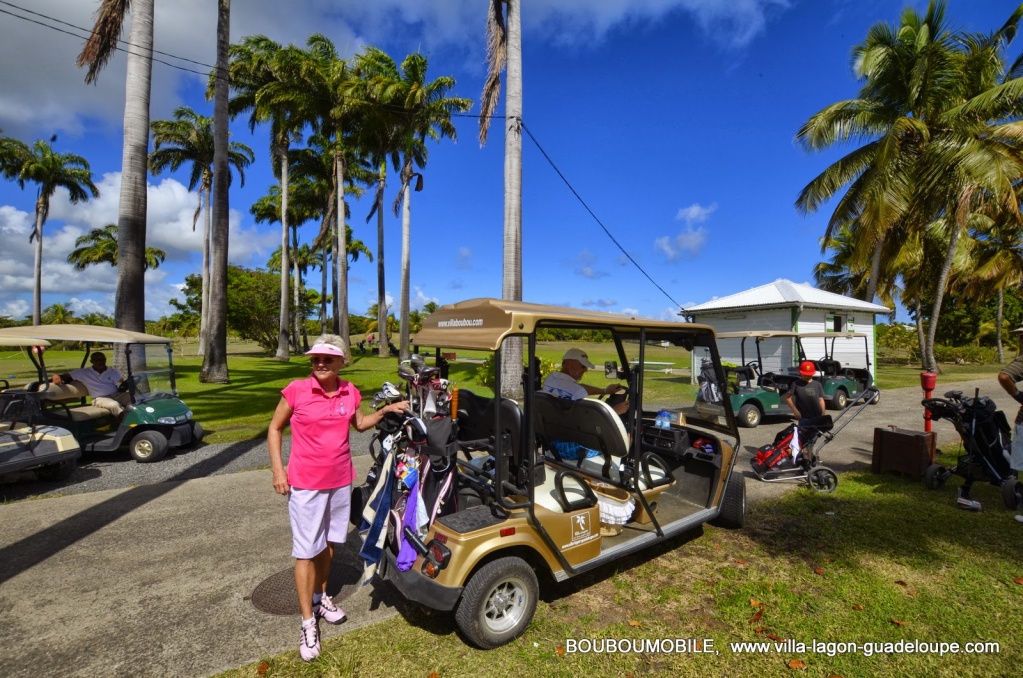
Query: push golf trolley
x: 795, y: 454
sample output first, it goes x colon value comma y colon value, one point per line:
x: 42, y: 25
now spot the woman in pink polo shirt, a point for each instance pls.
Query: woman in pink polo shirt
x: 318, y: 479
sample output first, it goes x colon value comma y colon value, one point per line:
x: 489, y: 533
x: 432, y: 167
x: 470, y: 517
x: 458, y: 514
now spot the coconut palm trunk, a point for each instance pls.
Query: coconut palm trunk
x: 214, y: 364
x: 282, y: 332
x: 406, y: 264
x: 37, y: 269
x: 341, y: 321
x: 204, y: 303
x: 383, y: 350
x: 511, y: 289
x: 130, y: 299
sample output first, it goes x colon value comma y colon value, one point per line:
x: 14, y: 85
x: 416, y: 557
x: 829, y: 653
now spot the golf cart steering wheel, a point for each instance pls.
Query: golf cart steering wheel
x: 613, y: 399
x: 127, y: 383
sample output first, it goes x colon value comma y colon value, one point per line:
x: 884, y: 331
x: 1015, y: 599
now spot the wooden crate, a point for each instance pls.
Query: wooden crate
x: 903, y: 451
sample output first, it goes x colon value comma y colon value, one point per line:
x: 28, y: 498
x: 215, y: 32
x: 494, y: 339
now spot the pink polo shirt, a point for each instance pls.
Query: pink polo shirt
x: 321, y: 457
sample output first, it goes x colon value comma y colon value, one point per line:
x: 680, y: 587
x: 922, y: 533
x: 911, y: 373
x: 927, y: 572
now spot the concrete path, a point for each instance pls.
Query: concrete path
x: 158, y: 580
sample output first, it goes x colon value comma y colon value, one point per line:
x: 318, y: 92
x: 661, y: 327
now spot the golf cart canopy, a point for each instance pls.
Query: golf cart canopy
x: 83, y: 333
x: 22, y: 342
x: 483, y: 324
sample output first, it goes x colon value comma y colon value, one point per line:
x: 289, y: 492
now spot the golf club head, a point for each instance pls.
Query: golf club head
x: 407, y: 372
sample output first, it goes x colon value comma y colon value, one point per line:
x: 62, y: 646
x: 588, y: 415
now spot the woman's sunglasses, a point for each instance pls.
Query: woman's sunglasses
x: 325, y: 359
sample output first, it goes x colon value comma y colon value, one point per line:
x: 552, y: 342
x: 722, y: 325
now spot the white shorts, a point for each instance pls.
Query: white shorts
x: 318, y: 517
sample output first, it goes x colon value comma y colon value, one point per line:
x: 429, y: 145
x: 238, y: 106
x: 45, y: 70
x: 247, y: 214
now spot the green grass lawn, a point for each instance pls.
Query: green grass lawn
x: 881, y: 560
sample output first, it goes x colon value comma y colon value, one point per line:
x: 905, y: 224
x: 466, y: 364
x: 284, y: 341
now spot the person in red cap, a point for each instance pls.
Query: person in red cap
x: 319, y: 475
x: 805, y: 396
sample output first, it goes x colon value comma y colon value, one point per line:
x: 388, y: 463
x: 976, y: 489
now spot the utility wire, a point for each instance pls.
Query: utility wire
x: 590, y: 211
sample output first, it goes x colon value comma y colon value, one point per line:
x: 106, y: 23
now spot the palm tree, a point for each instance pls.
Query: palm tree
x: 419, y: 110
x: 50, y: 171
x: 329, y: 83
x: 266, y: 77
x: 130, y: 300
x: 214, y: 362
x: 188, y: 138
x: 504, y: 49
x: 377, y: 136
x: 59, y: 314
x: 99, y: 246
x: 932, y: 155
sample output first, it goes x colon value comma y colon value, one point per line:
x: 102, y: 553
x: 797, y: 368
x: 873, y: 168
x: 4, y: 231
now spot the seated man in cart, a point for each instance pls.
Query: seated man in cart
x: 565, y: 384
x: 103, y: 383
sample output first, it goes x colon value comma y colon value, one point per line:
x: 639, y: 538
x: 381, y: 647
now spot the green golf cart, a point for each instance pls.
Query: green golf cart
x: 843, y: 381
x: 154, y: 421
x: 753, y: 392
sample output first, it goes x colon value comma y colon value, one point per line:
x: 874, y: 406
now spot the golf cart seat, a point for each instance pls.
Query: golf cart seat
x: 60, y: 401
x: 829, y: 367
x: 595, y: 425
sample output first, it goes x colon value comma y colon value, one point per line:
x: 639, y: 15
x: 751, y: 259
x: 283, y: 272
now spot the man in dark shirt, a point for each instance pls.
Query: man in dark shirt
x: 1008, y: 377
x: 805, y: 396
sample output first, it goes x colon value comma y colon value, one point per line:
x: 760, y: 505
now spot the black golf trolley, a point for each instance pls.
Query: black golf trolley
x: 774, y: 463
x: 986, y: 436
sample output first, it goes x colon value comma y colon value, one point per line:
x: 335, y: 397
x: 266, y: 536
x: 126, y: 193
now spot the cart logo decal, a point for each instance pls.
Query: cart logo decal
x: 581, y: 532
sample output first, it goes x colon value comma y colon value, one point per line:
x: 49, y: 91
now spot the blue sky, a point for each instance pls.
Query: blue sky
x: 674, y: 120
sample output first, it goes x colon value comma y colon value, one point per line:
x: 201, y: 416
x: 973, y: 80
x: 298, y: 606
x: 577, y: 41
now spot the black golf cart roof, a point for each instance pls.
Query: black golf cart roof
x: 483, y: 324
x: 87, y: 333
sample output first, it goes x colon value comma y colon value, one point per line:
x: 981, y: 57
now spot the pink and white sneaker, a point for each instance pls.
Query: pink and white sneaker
x: 309, y: 648
x: 329, y: 612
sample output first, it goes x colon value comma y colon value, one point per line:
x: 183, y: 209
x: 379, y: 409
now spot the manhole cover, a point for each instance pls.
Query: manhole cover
x: 277, y: 595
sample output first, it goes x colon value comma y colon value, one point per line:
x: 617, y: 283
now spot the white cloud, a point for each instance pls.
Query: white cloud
x: 695, y: 213
x: 420, y: 299
x: 600, y: 303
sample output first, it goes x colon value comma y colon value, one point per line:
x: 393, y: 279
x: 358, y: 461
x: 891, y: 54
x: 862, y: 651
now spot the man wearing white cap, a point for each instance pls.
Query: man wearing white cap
x: 1008, y: 377
x: 565, y: 384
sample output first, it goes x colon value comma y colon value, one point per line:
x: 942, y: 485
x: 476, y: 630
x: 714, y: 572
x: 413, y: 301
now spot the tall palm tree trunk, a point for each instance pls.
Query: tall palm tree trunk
x: 998, y: 325
x: 383, y: 350
x: 406, y: 265
x: 341, y: 320
x: 511, y: 353
x: 214, y: 364
x: 130, y: 298
x: 875, y: 270
x: 204, y: 303
x: 282, y: 329
x: 37, y: 269
x: 958, y: 219
x: 325, y: 262
x: 296, y: 283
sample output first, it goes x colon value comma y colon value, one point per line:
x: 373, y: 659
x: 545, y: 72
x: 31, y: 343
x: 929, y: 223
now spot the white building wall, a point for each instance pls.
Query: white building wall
x: 780, y: 353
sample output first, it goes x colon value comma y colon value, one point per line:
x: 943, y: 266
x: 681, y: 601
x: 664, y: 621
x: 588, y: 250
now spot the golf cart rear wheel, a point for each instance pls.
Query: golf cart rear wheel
x: 840, y: 400
x: 876, y: 399
x: 148, y: 446
x: 498, y: 603
x: 733, y: 504
x: 749, y: 416
x: 1012, y: 493
x: 822, y: 479
x: 935, y: 477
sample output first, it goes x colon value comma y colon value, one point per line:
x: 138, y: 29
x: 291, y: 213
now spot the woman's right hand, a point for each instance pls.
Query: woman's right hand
x: 280, y: 482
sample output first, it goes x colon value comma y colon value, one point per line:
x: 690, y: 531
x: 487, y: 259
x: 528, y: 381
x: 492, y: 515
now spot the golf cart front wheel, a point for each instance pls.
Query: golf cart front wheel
x: 935, y: 477
x: 822, y: 479
x: 840, y: 400
x: 498, y: 603
x: 733, y: 504
x: 1012, y: 493
x: 148, y: 446
x: 749, y: 416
